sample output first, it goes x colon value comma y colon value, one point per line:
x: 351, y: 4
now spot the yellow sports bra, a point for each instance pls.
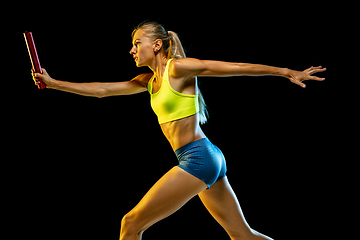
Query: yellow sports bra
x: 170, y: 105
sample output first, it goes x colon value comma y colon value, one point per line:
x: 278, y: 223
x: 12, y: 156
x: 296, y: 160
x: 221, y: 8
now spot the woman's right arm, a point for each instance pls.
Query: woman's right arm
x: 97, y: 89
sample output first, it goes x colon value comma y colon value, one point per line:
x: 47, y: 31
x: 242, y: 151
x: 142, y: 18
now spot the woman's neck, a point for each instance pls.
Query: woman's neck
x: 158, y: 64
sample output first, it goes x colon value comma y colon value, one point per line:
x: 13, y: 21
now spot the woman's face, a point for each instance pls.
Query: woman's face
x: 143, y: 49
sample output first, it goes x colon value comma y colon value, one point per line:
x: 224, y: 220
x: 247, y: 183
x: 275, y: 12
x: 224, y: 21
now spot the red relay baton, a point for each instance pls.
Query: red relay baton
x: 34, y: 57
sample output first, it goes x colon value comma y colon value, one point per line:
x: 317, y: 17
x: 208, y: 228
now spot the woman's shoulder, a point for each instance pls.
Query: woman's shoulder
x: 184, y: 67
x: 143, y: 79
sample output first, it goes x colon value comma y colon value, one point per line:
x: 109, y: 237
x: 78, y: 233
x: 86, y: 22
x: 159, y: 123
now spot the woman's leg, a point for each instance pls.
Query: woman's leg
x: 220, y: 200
x: 168, y: 194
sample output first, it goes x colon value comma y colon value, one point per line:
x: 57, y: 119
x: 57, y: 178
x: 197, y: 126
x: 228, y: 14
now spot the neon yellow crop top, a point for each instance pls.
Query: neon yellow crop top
x: 170, y: 105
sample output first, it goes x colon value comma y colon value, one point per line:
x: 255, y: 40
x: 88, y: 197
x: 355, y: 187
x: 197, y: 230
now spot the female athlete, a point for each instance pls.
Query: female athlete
x: 178, y: 103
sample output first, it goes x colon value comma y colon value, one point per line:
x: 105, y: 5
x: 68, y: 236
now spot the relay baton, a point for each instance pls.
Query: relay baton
x: 34, y: 57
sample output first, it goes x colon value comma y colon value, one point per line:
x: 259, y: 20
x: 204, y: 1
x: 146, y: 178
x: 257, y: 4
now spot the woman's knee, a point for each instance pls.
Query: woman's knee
x: 130, y: 226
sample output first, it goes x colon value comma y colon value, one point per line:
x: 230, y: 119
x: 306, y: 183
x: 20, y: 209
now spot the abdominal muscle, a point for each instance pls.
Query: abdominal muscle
x: 183, y: 131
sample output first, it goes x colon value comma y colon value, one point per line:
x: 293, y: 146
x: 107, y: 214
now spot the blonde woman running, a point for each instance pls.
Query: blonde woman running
x: 180, y: 107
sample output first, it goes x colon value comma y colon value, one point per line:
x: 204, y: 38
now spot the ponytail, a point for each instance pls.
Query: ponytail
x: 176, y: 48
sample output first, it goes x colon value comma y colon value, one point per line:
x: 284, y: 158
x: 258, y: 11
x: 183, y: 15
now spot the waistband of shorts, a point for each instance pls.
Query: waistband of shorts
x: 190, y: 145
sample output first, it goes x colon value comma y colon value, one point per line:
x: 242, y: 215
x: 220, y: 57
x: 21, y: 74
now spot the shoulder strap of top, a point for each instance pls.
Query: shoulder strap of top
x: 165, y: 77
x: 149, y: 86
x: 166, y: 72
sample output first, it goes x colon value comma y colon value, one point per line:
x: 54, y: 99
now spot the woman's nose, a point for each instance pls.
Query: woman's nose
x: 132, y: 50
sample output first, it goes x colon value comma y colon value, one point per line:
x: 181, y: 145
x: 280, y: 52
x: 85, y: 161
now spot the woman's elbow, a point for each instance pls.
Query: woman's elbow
x: 101, y: 93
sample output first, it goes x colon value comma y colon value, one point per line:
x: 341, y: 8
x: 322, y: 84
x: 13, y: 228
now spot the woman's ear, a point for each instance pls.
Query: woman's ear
x: 157, y: 45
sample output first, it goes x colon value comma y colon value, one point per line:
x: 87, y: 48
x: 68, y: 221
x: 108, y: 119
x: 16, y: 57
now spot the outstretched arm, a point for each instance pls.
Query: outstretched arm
x: 190, y: 67
x: 97, y: 89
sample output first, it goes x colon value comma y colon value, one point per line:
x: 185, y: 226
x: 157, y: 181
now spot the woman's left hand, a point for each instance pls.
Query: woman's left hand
x: 297, y: 77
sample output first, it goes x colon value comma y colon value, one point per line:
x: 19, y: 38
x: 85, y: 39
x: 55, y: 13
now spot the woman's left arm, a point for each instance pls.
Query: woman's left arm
x: 191, y: 67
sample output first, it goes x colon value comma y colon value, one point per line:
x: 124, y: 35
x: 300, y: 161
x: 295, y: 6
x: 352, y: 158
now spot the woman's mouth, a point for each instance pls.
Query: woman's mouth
x: 135, y: 58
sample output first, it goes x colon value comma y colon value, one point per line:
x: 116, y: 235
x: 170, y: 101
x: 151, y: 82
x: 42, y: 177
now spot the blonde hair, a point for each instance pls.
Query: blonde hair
x: 172, y: 48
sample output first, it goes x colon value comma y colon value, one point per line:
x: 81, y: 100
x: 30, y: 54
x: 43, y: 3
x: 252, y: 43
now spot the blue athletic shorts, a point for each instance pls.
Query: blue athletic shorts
x: 203, y: 160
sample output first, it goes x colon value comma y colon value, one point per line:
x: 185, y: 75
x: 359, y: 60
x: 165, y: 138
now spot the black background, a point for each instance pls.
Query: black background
x: 79, y: 164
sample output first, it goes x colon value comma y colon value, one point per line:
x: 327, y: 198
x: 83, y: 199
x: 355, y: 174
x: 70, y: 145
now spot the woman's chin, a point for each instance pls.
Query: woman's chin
x: 139, y: 64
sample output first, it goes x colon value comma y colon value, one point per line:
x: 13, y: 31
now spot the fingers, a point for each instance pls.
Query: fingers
x: 302, y: 85
x: 313, y: 70
x: 36, y: 80
x: 39, y: 75
x: 299, y: 83
x: 36, y: 76
x: 316, y: 78
x: 44, y: 71
x: 317, y: 70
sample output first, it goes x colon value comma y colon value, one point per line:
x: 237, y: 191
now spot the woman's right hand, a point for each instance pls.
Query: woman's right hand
x: 45, y: 77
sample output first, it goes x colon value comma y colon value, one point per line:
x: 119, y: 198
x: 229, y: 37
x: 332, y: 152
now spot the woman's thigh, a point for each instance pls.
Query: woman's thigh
x: 223, y: 205
x: 167, y: 195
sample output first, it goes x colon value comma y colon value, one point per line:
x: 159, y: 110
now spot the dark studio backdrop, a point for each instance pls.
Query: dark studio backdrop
x: 89, y: 161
